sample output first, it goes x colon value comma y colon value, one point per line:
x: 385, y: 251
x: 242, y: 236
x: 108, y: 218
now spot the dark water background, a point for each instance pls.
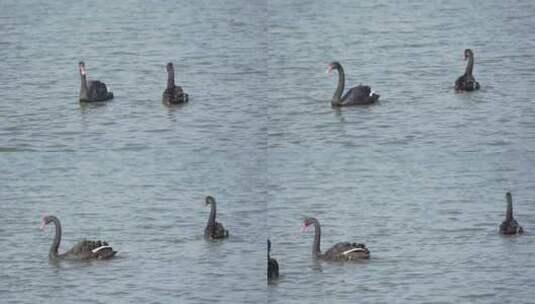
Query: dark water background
x: 419, y: 177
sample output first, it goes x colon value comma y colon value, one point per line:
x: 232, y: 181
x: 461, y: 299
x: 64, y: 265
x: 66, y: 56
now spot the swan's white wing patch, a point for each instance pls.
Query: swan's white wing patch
x: 100, y: 248
x: 372, y: 92
x: 352, y: 250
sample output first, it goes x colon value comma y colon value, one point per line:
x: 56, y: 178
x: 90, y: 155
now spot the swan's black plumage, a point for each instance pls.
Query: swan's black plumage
x: 273, y: 266
x: 467, y: 81
x: 214, y: 230
x: 510, y: 225
x: 359, y: 95
x: 92, y: 90
x: 343, y: 251
x: 173, y: 94
x: 84, y: 250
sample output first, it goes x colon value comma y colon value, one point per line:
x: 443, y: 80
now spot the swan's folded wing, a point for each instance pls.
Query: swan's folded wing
x: 460, y: 81
x: 220, y: 231
x: 178, y: 90
x: 97, y: 88
x: 358, y: 93
x: 273, y: 268
x: 339, y: 248
x: 364, y: 90
x: 344, y: 250
x: 86, y: 247
x: 102, y: 90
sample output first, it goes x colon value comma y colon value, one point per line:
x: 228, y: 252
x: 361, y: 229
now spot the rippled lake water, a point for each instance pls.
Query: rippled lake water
x: 132, y: 171
x: 419, y: 177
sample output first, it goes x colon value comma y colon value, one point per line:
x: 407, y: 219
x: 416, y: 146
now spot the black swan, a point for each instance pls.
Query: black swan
x: 92, y: 90
x: 273, y: 266
x: 467, y: 82
x: 173, y: 94
x: 213, y: 230
x: 84, y: 250
x: 510, y: 225
x: 343, y: 251
x: 359, y: 95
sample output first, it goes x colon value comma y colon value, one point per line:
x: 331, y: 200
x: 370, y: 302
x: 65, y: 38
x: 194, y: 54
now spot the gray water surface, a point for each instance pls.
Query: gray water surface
x: 419, y: 177
x: 132, y: 171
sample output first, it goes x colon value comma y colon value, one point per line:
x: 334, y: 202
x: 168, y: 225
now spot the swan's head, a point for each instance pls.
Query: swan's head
x: 210, y: 200
x: 335, y: 65
x: 45, y: 220
x: 170, y: 67
x: 508, y: 197
x: 307, y: 222
x: 468, y: 53
x: 81, y: 66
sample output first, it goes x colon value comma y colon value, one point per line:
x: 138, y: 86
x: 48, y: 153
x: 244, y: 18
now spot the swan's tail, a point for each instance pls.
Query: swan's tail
x: 374, y: 97
x: 103, y: 252
x: 106, y: 253
x: 353, y: 250
x: 96, y: 250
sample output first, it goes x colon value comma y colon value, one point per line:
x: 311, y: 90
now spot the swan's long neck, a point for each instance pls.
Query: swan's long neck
x: 470, y: 65
x: 340, y: 87
x: 316, y: 251
x: 83, y: 86
x: 509, y: 212
x: 211, y: 218
x: 57, y: 239
x: 171, y: 79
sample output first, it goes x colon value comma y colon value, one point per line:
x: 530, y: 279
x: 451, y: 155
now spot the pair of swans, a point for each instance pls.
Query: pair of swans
x: 100, y: 250
x: 95, y: 90
x: 363, y: 95
x: 346, y: 251
x: 343, y: 251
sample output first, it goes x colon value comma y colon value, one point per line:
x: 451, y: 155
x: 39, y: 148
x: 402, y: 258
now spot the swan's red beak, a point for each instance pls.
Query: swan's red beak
x: 82, y: 70
x: 43, y: 224
x: 329, y: 69
x: 304, y: 227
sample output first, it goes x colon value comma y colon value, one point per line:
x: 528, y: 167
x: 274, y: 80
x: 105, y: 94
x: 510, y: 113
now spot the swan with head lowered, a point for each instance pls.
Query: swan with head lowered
x: 273, y: 266
x: 510, y: 225
x: 92, y: 90
x: 214, y: 230
x: 173, y: 94
x: 343, y: 251
x: 84, y: 250
x: 467, y: 82
x: 359, y: 95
